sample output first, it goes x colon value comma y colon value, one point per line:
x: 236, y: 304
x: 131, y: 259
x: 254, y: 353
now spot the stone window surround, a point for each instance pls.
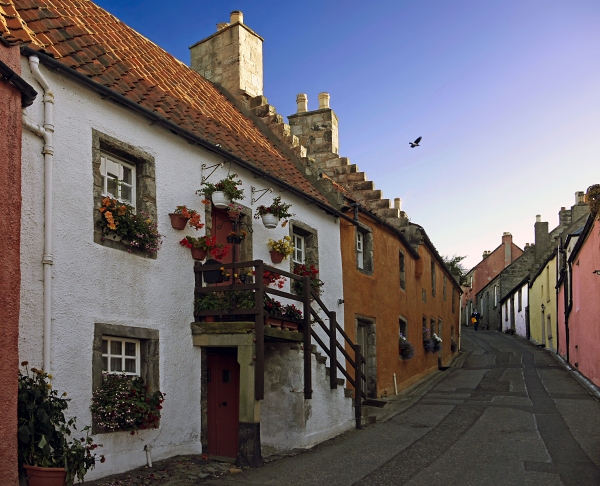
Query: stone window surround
x: 145, y: 182
x: 311, y: 243
x: 371, y: 354
x: 367, y: 233
x: 149, y: 352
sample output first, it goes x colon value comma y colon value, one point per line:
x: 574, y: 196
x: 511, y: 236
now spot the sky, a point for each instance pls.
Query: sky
x: 505, y: 93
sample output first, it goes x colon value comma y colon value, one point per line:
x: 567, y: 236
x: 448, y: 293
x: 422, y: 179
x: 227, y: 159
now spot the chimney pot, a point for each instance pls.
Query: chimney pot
x: 579, y: 197
x: 323, y: 100
x: 302, y: 102
x: 538, y: 218
x: 236, y: 16
x: 221, y: 26
x: 398, y: 203
x: 562, y: 208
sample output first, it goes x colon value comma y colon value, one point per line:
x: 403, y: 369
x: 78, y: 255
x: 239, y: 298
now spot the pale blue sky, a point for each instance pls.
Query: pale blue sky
x: 505, y: 93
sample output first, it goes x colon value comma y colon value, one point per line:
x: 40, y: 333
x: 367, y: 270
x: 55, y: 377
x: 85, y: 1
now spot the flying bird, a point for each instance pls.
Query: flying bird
x: 415, y: 143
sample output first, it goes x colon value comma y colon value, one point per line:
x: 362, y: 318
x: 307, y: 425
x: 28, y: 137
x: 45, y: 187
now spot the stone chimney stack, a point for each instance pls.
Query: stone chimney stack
x: 507, y: 242
x: 485, y: 255
x: 231, y: 58
x: 564, y: 217
x: 542, y: 237
x: 302, y: 102
x: 317, y: 130
x: 581, y: 207
x: 398, y: 203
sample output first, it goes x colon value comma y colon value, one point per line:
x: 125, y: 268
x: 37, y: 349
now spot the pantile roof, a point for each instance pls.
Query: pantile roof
x: 85, y: 37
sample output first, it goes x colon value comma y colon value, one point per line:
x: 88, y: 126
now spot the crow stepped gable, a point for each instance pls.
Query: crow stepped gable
x: 232, y: 59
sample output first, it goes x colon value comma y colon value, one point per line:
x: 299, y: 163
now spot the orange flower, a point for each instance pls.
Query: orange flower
x: 205, y: 201
x: 102, y: 209
x: 121, y: 210
x: 185, y: 213
x: 106, y: 201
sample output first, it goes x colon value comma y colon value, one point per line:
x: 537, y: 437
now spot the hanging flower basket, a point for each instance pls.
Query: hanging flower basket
x: 276, y: 257
x: 270, y: 221
x: 198, y: 253
x: 220, y: 200
x: 178, y: 222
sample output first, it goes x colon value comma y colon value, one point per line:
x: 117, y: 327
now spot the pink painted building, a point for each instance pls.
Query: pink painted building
x: 582, y: 336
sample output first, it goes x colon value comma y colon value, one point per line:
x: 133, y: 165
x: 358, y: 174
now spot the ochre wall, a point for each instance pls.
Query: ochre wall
x: 379, y: 297
x: 10, y: 274
x: 547, y: 279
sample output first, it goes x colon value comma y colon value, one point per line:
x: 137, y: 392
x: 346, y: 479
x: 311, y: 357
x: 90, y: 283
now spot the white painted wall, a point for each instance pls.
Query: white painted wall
x: 94, y: 284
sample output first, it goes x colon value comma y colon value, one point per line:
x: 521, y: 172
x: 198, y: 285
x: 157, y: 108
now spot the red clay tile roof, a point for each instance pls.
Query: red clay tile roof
x: 88, y: 39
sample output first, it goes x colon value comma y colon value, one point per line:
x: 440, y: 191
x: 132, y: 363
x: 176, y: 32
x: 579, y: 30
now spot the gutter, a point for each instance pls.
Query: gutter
x: 176, y: 129
x: 28, y: 94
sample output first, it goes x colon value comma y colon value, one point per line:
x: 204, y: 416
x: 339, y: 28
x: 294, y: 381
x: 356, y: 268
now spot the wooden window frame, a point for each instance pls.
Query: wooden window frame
x: 109, y: 356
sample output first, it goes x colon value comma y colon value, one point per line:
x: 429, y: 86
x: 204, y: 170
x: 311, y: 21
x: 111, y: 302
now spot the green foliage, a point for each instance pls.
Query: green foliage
x: 272, y: 307
x: 292, y: 312
x: 592, y: 197
x: 242, y: 299
x: 277, y: 208
x: 313, y: 273
x: 455, y: 267
x: 44, y: 434
x: 229, y: 186
x: 125, y: 403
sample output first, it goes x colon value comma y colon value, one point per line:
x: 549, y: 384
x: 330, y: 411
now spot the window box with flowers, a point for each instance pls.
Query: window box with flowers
x: 405, y: 349
x: 287, y: 317
x: 182, y: 216
x: 222, y: 192
x: 271, y: 215
x: 203, y: 245
x: 119, y: 222
x: 280, y: 249
x: 437, y: 343
x: 125, y: 403
x: 313, y: 273
x: 428, y: 344
x: 47, y: 450
x: 236, y: 236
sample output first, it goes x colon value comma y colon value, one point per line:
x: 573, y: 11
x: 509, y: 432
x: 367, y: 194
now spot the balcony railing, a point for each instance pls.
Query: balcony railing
x: 241, y: 297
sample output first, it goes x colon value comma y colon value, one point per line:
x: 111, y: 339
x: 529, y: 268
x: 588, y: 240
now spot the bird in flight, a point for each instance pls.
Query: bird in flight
x: 415, y: 143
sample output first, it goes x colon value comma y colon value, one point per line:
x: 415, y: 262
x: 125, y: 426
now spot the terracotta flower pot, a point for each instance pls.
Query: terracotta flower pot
x: 270, y: 221
x: 198, y: 253
x: 289, y: 325
x: 220, y: 200
x: 45, y: 476
x: 276, y: 257
x: 178, y: 221
x: 272, y: 322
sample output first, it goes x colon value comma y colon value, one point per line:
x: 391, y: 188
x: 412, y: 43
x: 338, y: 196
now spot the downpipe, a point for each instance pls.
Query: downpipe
x: 46, y: 132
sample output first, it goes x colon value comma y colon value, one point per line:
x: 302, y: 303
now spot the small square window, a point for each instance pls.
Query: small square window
x: 121, y: 356
x: 299, y: 255
x: 403, y: 324
x: 118, y: 179
x: 424, y: 295
x: 402, y: 264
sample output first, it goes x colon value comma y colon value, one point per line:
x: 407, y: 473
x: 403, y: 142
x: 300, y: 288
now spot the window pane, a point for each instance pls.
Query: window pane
x: 104, y: 346
x: 130, y: 365
x: 104, y: 364
x: 126, y: 194
x: 111, y: 187
x: 116, y: 347
x: 130, y: 349
x: 127, y: 175
x: 116, y: 364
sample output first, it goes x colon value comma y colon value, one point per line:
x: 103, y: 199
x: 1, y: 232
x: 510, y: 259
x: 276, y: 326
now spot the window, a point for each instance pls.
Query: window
x: 118, y: 178
x: 424, y: 324
x: 548, y: 283
x: 299, y: 254
x: 444, y: 287
x: 433, y: 279
x: 520, y: 300
x: 432, y: 326
x: 121, y: 356
x: 495, y: 295
x: 360, y: 261
x: 506, y: 310
x: 453, y: 300
x: 403, y: 324
x: 402, y: 270
x: 424, y: 295
x: 439, y: 333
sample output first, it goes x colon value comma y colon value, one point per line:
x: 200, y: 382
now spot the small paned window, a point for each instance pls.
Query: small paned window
x: 453, y: 301
x: 360, y: 261
x: 495, y: 295
x: 121, y: 356
x: 403, y: 325
x: 432, y: 326
x: 424, y: 295
x: 299, y: 255
x: 506, y: 310
x: 118, y: 178
x: 433, y: 279
x: 444, y: 288
x: 520, y: 300
x: 402, y: 271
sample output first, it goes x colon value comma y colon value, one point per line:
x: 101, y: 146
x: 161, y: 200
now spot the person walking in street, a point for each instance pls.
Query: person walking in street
x: 475, y: 318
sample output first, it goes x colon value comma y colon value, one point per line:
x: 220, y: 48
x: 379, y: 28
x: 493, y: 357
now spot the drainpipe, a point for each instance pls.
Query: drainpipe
x: 46, y: 132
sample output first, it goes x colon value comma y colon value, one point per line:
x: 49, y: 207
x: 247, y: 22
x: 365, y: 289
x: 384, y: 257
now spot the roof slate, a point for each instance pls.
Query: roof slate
x: 90, y: 40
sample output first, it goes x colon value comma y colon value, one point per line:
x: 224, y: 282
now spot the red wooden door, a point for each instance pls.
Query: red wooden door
x: 223, y: 392
x: 221, y: 227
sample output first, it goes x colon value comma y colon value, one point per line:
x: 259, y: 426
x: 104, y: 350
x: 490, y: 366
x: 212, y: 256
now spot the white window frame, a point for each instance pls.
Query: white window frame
x: 299, y: 255
x: 109, y: 356
x: 360, y: 256
x: 120, y: 163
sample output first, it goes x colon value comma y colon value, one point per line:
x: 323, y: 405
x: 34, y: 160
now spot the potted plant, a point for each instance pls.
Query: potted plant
x: 203, y: 245
x: 182, y: 216
x: 272, y: 214
x: 233, y: 211
x: 453, y: 346
x: 273, y: 308
x: 313, y: 273
x: 119, y: 222
x: 223, y: 192
x: 47, y: 452
x: 405, y: 349
x: 280, y: 249
x: 124, y: 403
x: 273, y: 278
x: 236, y: 236
x: 292, y: 317
x: 437, y: 343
